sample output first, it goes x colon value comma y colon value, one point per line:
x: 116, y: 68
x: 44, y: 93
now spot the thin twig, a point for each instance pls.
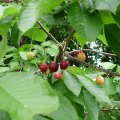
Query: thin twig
x: 92, y: 66
x: 48, y: 34
x: 62, y: 49
x: 95, y: 51
x: 105, y: 110
x: 68, y: 39
x: 112, y: 109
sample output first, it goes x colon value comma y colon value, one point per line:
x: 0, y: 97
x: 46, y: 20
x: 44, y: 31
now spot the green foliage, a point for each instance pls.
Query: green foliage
x: 3, y: 46
x: 32, y: 10
x: 25, y: 103
x: 112, y: 36
x: 91, y: 106
x: 72, y: 83
x: 87, y: 25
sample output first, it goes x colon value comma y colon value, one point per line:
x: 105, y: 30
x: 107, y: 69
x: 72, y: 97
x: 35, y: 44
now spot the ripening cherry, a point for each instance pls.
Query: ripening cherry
x: 76, y: 52
x: 43, y: 67
x: 81, y: 56
x: 57, y: 75
x: 64, y: 64
x: 29, y: 55
x: 99, y: 80
x: 53, y: 66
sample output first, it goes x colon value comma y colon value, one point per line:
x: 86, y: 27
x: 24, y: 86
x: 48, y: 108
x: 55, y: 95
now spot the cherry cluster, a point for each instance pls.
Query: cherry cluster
x: 53, y: 67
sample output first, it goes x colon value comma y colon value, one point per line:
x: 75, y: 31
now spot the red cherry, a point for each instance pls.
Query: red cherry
x: 76, y: 53
x: 80, y: 51
x: 57, y: 75
x: 21, y: 42
x: 64, y: 64
x: 53, y: 66
x: 43, y: 67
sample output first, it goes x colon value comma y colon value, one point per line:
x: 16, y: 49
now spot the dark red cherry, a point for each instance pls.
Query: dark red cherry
x: 53, y: 66
x: 43, y: 67
x: 64, y: 64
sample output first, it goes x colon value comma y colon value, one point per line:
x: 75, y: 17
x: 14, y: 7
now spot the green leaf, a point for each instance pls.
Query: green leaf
x: 53, y: 51
x: 104, y: 116
x: 48, y: 19
x: 91, y: 106
x: 36, y: 34
x: 107, y: 65
x: 32, y: 10
x: 116, y: 103
x: 77, y: 99
x: 3, y: 46
x: 110, y: 5
x: 66, y: 111
x: 75, y: 70
x: 4, y: 69
x: 23, y: 55
x: 87, y: 25
x: 24, y: 94
x: 15, y: 36
x: 118, y: 69
x: 110, y: 86
x: 107, y: 17
x: 80, y: 110
x: 89, y: 5
x: 79, y: 39
x: 8, y: 10
x: 95, y: 90
x: 102, y: 38
x: 4, y: 116
x: 5, y: 24
x: 72, y: 83
x: 112, y: 33
x: 47, y: 43
x: 28, y: 16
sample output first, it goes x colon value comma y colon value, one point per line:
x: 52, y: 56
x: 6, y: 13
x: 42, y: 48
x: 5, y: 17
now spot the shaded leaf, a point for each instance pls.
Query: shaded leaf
x: 3, y: 46
x: 66, y: 111
x: 112, y: 34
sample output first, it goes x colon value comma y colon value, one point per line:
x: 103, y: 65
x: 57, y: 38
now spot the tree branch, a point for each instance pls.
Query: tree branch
x: 49, y: 34
x: 94, y: 51
x: 92, y: 66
